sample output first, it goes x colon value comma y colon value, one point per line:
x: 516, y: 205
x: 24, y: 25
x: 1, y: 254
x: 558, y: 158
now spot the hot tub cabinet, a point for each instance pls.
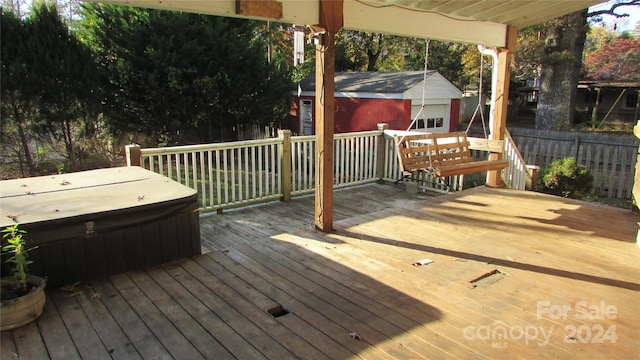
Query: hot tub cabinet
x: 95, y: 223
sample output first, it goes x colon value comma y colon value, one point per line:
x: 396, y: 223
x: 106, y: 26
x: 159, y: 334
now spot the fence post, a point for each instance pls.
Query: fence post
x: 133, y: 155
x: 381, y: 155
x: 285, y: 160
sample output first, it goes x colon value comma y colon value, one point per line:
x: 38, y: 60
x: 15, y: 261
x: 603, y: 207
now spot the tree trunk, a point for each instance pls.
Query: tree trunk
x: 373, y: 51
x: 20, y: 123
x: 67, y: 129
x: 561, y: 71
x: 24, y: 142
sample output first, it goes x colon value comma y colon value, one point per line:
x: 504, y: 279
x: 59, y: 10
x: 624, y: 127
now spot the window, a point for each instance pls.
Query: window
x: 431, y: 123
x: 435, y: 123
x: 418, y: 124
x: 632, y: 100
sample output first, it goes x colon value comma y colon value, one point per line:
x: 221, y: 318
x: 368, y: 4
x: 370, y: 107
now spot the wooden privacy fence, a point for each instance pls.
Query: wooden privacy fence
x: 610, y: 158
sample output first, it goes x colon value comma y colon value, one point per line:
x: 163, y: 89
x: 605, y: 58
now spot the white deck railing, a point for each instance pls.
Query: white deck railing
x: 243, y: 172
x: 224, y: 174
x: 517, y: 175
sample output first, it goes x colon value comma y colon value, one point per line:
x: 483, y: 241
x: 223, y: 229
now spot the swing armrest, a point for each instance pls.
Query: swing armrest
x: 493, y: 146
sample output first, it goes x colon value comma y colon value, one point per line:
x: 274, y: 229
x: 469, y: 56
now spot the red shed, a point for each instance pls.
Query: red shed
x: 365, y: 99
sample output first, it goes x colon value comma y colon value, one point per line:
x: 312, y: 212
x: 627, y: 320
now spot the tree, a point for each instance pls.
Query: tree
x: 597, y: 38
x: 67, y: 78
x: 560, y: 71
x: 47, y: 82
x: 561, y: 63
x: 364, y: 51
x: 618, y: 60
x: 19, y: 104
x: 17, y: 7
x: 180, y: 77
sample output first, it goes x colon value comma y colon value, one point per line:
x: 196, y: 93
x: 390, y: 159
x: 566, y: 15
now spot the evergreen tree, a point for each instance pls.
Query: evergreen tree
x: 68, y: 82
x: 19, y: 105
x: 47, y: 85
x: 180, y: 77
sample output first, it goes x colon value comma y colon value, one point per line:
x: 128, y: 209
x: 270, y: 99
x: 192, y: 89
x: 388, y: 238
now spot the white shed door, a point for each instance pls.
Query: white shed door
x: 435, y: 118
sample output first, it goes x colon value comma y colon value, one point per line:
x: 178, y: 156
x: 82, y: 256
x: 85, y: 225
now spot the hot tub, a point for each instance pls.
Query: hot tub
x: 95, y: 223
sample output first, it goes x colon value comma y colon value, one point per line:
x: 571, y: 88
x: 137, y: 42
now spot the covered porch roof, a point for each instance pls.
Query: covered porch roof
x: 471, y: 21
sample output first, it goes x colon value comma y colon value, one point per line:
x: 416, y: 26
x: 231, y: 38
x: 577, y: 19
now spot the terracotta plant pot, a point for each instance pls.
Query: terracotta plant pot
x: 24, y: 309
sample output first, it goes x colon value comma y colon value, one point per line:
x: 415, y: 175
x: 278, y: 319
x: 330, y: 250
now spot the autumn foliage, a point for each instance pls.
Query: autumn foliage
x: 618, y: 60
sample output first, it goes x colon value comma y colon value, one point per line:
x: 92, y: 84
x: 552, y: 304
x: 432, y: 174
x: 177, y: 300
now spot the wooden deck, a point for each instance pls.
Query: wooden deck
x: 564, y: 284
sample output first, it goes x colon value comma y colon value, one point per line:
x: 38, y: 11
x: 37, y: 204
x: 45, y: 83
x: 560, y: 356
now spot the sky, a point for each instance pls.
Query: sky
x: 622, y: 24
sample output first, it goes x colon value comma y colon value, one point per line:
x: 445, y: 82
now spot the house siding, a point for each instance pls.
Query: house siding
x: 454, y: 117
x: 586, y: 100
x: 358, y: 114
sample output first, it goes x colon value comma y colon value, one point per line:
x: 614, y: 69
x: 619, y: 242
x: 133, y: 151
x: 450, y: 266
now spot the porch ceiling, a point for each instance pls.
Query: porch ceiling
x: 471, y: 21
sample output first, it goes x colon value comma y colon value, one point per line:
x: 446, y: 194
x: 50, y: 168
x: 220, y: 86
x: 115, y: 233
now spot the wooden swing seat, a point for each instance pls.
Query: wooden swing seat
x: 443, y: 155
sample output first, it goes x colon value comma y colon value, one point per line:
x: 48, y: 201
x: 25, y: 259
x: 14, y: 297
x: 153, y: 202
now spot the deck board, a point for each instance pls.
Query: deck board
x: 85, y: 338
x: 359, y: 279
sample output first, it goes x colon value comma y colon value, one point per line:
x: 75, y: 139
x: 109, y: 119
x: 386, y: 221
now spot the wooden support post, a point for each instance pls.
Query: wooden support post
x: 636, y: 182
x: 285, y: 160
x: 133, y: 155
x: 594, y: 111
x: 331, y: 21
x: 381, y: 153
x: 502, y: 100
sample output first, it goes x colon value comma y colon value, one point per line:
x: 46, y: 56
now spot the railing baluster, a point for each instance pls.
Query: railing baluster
x: 303, y: 165
x: 254, y: 192
x: 203, y: 183
x: 278, y: 188
x: 274, y: 168
x: 247, y: 189
x: 233, y: 174
x: 194, y: 169
x: 179, y: 168
x: 218, y: 178
x: 261, y: 174
x: 151, y: 162
x: 225, y: 173
x: 210, y: 176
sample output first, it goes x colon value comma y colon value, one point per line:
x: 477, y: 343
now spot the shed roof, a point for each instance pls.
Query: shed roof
x: 371, y: 82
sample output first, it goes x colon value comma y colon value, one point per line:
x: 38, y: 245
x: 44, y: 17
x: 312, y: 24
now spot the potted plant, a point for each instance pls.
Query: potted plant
x: 22, y: 295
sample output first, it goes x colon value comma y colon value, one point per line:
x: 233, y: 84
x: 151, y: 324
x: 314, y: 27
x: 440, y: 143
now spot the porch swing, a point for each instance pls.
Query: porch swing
x: 443, y: 154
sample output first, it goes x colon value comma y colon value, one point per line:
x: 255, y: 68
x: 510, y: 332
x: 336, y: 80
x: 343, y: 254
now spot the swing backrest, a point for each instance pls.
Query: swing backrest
x: 430, y: 151
x: 449, y: 149
x: 443, y: 155
x: 413, y: 152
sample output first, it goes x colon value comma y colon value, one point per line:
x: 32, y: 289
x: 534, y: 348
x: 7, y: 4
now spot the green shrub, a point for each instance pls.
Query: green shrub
x: 566, y: 178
